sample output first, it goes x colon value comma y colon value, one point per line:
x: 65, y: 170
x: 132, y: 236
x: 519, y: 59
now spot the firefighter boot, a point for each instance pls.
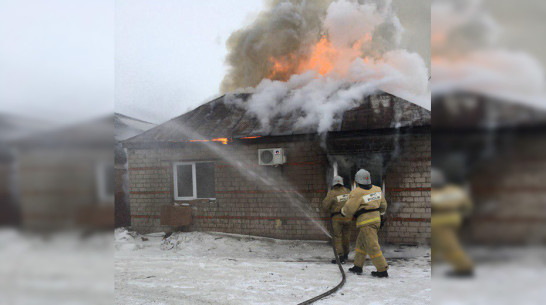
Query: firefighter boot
x: 380, y: 274
x: 342, y: 260
x: 355, y: 269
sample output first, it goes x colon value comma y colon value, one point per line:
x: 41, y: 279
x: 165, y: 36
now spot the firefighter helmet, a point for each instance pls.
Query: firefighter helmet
x: 363, y: 177
x: 337, y: 180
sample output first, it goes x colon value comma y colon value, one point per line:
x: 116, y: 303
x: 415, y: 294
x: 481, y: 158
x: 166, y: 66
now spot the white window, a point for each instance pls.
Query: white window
x: 194, y: 180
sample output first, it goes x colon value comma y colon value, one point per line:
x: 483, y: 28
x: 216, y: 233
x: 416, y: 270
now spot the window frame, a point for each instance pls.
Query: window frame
x: 194, y: 179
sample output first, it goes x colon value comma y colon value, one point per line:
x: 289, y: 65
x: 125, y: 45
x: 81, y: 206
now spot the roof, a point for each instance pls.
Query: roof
x: 126, y: 127
x: 217, y: 119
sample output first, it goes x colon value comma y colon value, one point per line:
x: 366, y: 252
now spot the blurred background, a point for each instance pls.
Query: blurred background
x: 56, y: 156
x: 57, y: 190
x: 489, y: 128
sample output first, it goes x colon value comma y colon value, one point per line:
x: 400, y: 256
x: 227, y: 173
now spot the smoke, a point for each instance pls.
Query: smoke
x: 319, y: 59
x: 467, y: 56
x: 284, y: 27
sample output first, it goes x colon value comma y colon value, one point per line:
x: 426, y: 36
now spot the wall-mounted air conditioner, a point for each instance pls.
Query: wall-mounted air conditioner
x: 271, y: 156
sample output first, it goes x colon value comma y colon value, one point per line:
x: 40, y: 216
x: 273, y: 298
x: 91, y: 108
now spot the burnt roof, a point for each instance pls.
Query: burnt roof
x: 218, y: 119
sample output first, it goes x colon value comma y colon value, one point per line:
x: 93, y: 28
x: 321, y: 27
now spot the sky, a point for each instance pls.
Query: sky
x: 170, y: 54
x: 71, y: 60
x: 56, y: 59
x: 65, y: 61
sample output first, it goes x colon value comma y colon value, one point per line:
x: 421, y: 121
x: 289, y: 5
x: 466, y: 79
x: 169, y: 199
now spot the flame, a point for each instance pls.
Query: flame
x: 254, y: 137
x: 221, y: 140
x: 323, y: 58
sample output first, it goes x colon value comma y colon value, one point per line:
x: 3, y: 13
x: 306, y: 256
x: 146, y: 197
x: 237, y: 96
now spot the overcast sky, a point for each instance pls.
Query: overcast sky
x: 56, y: 58
x: 170, y: 54
x: 69, y: 60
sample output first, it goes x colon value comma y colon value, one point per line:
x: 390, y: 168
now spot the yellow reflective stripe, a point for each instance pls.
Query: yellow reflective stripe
x: 359, y: 251
x: 368, y: 221
x: 376, y: 255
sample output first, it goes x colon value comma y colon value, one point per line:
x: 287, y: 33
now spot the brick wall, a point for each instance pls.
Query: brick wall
x: 408, y: 193
x: 248, y: 206
x: 243, y: 205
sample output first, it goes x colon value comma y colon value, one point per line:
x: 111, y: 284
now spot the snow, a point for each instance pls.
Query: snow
x: 56, y: 269
x: 219, y: 268
x: 502, y: 276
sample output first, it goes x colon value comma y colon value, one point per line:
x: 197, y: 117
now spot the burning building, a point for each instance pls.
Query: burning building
x: 216, y: 168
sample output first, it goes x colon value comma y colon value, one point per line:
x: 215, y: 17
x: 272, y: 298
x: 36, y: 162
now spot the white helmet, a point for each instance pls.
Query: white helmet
x: 363, y: 177
x: 337, y: 180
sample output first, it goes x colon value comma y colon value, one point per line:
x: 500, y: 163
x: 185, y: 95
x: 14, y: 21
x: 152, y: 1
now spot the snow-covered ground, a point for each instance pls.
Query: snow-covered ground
x: 217, y: 268
x: 57, y: 269
x: 502, y: 276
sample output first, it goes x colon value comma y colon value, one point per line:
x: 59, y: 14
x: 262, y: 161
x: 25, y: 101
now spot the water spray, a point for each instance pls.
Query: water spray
x: 295, y: 200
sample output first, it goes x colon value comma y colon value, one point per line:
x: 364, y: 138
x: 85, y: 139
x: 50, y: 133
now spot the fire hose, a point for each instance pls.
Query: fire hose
x: 329, y: 292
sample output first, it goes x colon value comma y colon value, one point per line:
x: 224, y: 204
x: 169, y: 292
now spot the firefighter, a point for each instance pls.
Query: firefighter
x: 367, y: 204
x: 450, y: 204
x: 341, y: 226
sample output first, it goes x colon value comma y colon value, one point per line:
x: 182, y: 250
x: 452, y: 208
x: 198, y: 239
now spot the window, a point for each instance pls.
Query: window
x: 193, y: 180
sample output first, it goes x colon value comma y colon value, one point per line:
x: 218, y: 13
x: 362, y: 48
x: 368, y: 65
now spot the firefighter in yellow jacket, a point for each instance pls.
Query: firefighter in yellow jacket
x: 341, y: 226
x: 367, y: 204
x: 450, y: 204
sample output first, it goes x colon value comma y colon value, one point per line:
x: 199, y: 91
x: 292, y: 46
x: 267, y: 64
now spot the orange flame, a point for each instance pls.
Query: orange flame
x: 322, y: 59
x: 254, y: 137
x: 221, y: 140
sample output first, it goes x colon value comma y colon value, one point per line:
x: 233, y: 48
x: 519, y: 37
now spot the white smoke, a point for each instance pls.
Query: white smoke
x: 467, y: 56
x: 366, y: 59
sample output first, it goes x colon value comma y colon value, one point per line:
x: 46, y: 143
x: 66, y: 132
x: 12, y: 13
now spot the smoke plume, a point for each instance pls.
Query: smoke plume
x: 320, y: 58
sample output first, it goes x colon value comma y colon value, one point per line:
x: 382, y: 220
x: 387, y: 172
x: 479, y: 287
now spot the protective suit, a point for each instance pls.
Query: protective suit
x: 450, y: 204
x: 341, y: 226
x: 367, y: 205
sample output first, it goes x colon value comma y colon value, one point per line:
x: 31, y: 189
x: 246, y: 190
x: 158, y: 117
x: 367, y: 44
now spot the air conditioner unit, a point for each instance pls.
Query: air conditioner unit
x: 271, y: 156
